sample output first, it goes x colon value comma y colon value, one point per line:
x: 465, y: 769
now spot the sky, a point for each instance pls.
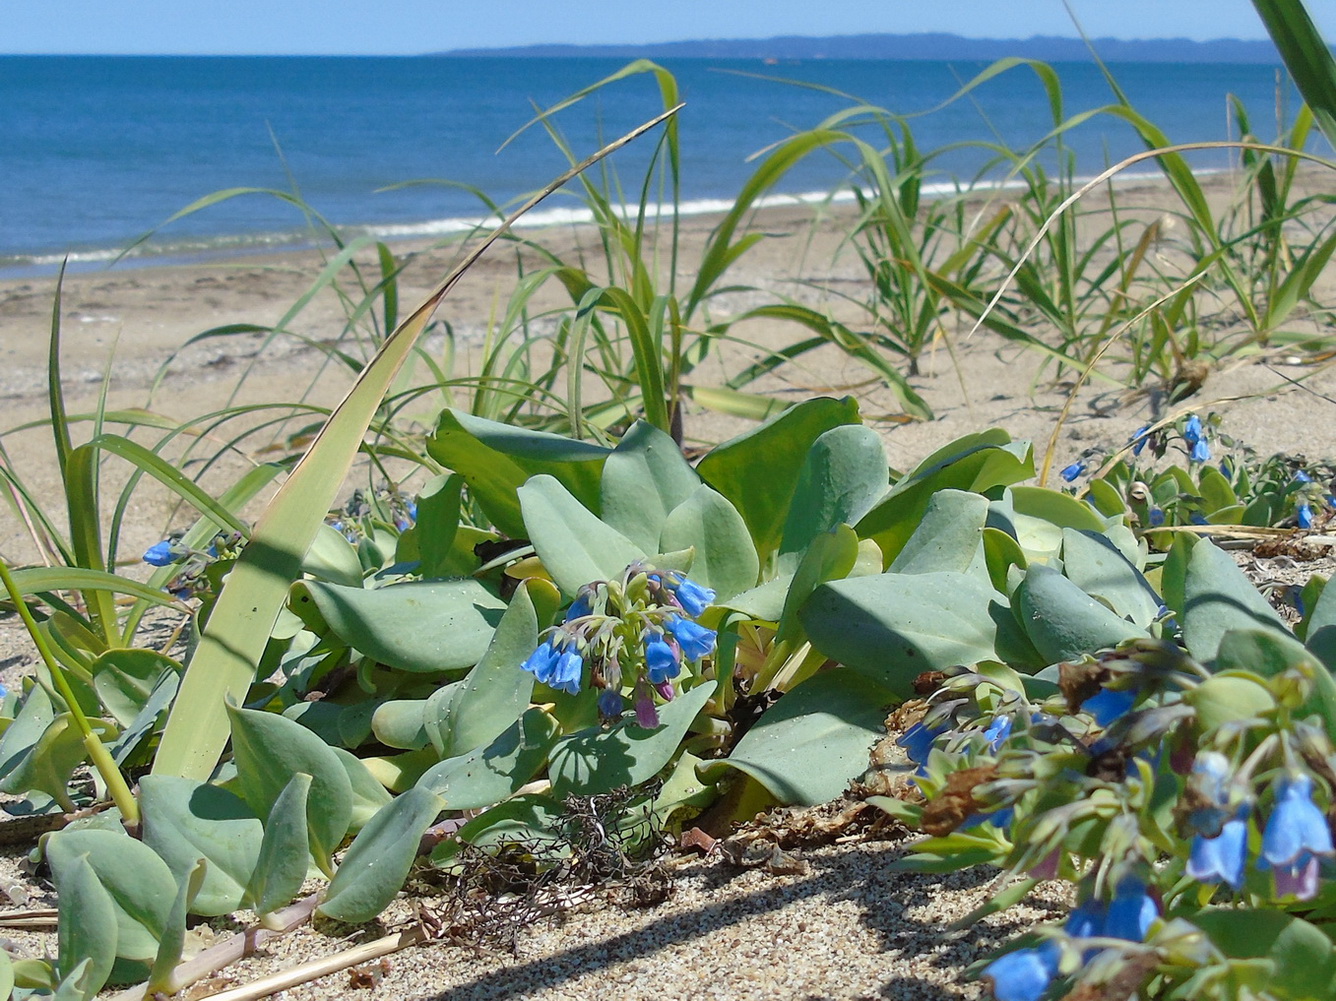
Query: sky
x: 410, y: 27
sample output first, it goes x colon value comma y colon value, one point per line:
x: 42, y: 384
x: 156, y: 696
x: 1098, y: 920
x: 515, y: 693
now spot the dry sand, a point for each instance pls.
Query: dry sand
x: 846, y: 927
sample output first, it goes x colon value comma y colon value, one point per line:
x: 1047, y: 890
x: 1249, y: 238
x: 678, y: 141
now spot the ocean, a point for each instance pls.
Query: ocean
x: 97, y: 151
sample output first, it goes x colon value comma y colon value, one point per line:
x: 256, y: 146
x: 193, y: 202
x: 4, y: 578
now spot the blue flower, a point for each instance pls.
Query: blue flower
x: 1192, y: 430
x: 1025, y: 974
x: 997, y: 732
x: 555, y: 668
x: 1296, y: 827
x: 159, y: 555
x: 1087, y: 921
x: 579, y: 608
x: 917, y: 741
x: 693, y: 598
x: 1107, y: 705
x: 610, y: 704
x: 1073, y: 471
x: 1140, y: 438
x: 1301, y: 477
x: 1304, y: 516
x: 695, y: 640
x: 1201, y: 451
x: 566, y: 672
x: 661, y: 660
x: 1131, y: 912
x: 1156, y: 517
x: 1223, y: 857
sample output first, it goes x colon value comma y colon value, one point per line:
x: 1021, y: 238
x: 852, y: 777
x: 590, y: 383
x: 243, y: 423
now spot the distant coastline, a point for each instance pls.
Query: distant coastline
x: 918, y: 47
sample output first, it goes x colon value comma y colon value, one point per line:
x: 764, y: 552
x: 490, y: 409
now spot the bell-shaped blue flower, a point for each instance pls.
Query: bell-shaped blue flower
x: 1108, y: 704
x: 917, y: 741
x: 1024, y: 975
x: 695, y: 640
x: 1302, y: 477
x: 579, y: 608
x: 1222, y: 859
x: 1131, y: 912
x: 1070, y: 473
x: 610, y: 704
x: 693, y: 598
x: 997, y: 732
x: 1303, y: 517
x: 1156, y: 517
x: 566, y: 671
x: 1296, y: 826
x: 1201, y: 451
x: 541, y: 661
x: 661, y: 660
x: 1193, y: 431
x: 1087, y: 921
x: 159, y: 554
x: 1140, y: 438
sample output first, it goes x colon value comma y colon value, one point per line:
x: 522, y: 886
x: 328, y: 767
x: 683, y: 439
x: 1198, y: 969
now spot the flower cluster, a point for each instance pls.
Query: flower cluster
x: 362, y: 513
x: 192, y: 577
x: 634, y: 632
x: 1025, y: 974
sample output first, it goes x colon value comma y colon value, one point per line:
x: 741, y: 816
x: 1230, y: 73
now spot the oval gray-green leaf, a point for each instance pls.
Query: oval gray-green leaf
x: 596, y: 761
x: 269, y: 749
x: 644, y: 478
x: 86, y: 922
x: 377, y: 862
x: 725, y: 558
x: 282, y: 863
x: 815, y: 740
x: 1092, y: 562
x: 421, y: 626
x: 949, y: 537
x: 185, y: 821
x: 486, y: 775
x: 573, y: 544
x: 1218, y: 597
x: 893, y: 627
x: 1062, y: 621
x: 843, y: 476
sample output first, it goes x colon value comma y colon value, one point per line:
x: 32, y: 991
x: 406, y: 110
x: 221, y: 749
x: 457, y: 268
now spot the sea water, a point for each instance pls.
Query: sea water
x: 96, y: 152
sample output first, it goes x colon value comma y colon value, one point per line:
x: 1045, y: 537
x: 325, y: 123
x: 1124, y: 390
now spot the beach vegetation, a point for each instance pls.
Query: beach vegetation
x: 536, y: 598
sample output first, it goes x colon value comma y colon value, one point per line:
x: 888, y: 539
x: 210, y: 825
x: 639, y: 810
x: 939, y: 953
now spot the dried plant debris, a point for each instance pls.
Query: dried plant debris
x: 608, y: 846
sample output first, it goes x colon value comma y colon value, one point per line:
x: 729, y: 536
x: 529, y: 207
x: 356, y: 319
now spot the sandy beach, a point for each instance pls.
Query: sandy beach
x: 839, y: 925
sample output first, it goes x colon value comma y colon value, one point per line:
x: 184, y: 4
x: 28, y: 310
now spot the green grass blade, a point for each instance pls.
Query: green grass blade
x: 1306, y: 57
x: 237, y: 632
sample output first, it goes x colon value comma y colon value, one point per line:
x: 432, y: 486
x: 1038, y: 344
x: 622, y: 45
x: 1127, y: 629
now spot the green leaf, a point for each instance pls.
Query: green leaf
x: 377, y: 862
x: 1062, y: 621
x: 893, y: 627
x: 1041, y: 515
x: 596, y: 761
x: 86, y: 922
x: 138, y: 883
x: 497, y: 459
x: 437, y: 527
x: 1306, y: 56
x: 387, y: 623
x: 524, y: 820
x: 1299, y: 956
x: 644, y: 479
x: 1094, y: 564
x: 281, y: 866
x: 977, y: 462
x: 815, y: 740
x: 124, y: 678
x: 487, y: 775
x: 843, y: 476
x: 401, y: 722
x: 332, y: 558
x: 574, y: 545
x: 1218, y: 597
x: 186, y: 821
x: 725, y: 558
x: 368, y: 794
x: 830, y: 556
x: 754, y: 469
x: 497, y: 691
x: 948, y: 538
x: 50, y: 762
x: 1226, y: 698
x: 269, y: 749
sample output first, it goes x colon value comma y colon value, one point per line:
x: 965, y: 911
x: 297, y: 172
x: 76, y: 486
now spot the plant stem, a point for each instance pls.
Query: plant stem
x: 97, y: 751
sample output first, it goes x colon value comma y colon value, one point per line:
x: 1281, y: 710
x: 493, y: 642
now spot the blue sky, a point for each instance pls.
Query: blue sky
x: 406, y: 27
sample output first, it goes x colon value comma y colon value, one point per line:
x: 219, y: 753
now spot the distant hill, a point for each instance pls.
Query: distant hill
x: 935, y: 47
